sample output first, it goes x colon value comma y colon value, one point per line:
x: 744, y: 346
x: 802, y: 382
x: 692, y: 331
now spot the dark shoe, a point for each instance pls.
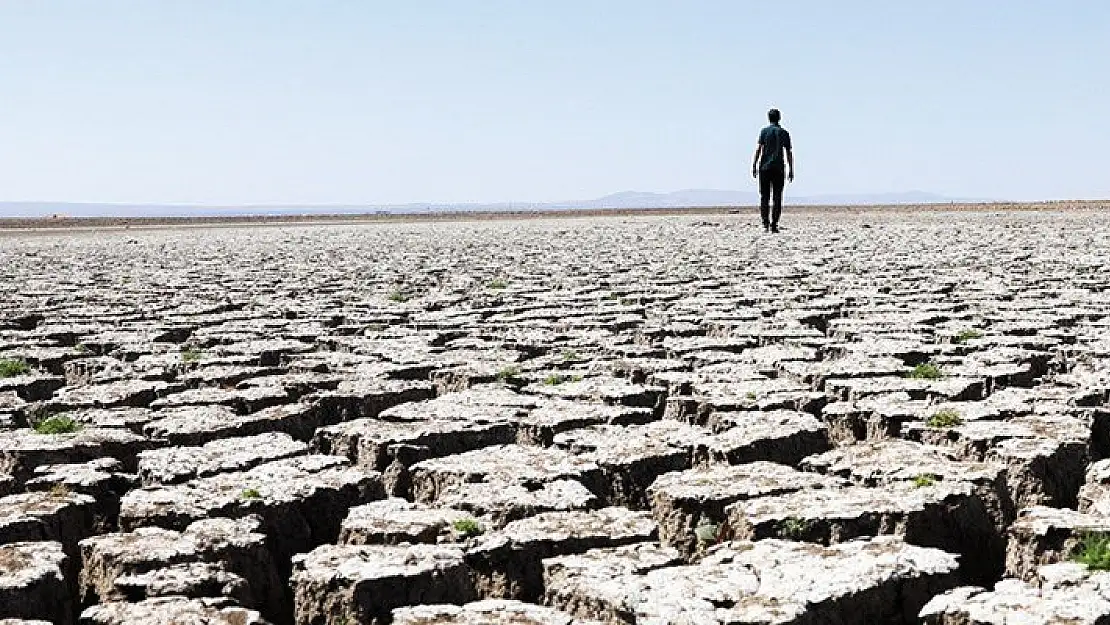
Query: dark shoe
x: 766, y: 227
x: 775, y: 228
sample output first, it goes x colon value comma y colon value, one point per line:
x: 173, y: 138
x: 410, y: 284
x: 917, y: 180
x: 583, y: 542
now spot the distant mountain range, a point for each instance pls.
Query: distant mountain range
x: 624, y: 200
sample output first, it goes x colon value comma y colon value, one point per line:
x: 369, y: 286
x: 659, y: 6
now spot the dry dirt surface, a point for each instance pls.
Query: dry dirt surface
x: 873, y: 417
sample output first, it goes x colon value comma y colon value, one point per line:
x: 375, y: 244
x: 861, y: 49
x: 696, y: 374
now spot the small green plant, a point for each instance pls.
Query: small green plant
x: 250, y: 493
x: 498, y: 284
x: 946, y: 418
x: 924, y: 480
x: 191, y: 354
x: 709, y: 533
x: 9, y: 368
x: 966, y: 335
x: 468, y: 527
x: 1093, y: 550
x: 81, y: 348
x: 570, y: 354
x: 750, y: 395
x: 57, y: 424
x: 794, y: 529
x: 555, y: 379
x: 60, y: 491
x: 926, y: 371
x: 399, y: 296
x: 508, y: 373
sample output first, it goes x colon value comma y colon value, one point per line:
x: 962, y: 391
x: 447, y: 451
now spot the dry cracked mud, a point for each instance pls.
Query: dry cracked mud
x: 873, y: 417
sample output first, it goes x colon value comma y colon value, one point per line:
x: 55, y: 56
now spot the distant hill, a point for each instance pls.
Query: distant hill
x: 623, y: 200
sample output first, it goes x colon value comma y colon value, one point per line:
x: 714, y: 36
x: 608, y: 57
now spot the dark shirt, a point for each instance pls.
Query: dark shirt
x: 774, y: 140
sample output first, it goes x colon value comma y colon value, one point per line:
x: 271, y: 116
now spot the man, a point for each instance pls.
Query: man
x: 768, y: 166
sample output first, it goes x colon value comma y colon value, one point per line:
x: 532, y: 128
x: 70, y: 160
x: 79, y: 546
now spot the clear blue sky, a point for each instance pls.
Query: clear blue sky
x: 327, y: 101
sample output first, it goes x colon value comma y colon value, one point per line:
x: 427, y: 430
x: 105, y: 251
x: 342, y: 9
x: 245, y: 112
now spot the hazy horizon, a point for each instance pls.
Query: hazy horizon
x: 280, y: 102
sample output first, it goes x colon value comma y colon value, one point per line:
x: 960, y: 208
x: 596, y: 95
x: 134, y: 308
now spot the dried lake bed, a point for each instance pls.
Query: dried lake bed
x: 872, y: 417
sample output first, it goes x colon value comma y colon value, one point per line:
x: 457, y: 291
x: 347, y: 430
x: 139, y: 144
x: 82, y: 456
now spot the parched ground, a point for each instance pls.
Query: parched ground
x: 872, y: 417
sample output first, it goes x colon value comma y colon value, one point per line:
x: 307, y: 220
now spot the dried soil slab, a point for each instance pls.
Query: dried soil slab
x: 131, y: 419
x: 503, y: 502
x: 946, y: 515
x: 240, y: 401
x: 32, y: 387
x: 684, y: 500
x: 540, y: 425
x: 611, y: 391
x: 975, y: 438
x: 816, y: 374
x: 114, y: 565
x: 502, y: 465
x: 367, y: 398
x: 193, y: 580
x: 33, y: 582
x: 376, y: 444
x: 1043, y: 536
x: 171, y: 611
x: 507, y: 563
x: 875, y: 418
x: 62, y: 517
x: 781, y: 436
x: 1065, y: 593
x: 772, y: 582
x: 894, y: 461
x: 1094, y: 496
x: 302, y: 500
x: 125, y: 393
x: 364, y: 583
x: 1042, y: 471
x: 957, y: 389
x: 173, y: 465
x: 394, y: 521
x: 23, y: 450
x: 631, y: 457
x: 103, y: 480
x: 488, y: 612
x: 203, y: 424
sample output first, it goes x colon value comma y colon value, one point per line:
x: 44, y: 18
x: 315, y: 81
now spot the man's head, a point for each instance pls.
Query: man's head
x: 774, y: 116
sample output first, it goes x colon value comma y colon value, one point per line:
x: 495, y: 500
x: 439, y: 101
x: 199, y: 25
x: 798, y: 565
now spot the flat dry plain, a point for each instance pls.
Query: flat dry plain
x: 875, y: 417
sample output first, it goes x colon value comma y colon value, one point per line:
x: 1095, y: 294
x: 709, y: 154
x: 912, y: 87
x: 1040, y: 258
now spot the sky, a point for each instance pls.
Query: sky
x: 368, y: 101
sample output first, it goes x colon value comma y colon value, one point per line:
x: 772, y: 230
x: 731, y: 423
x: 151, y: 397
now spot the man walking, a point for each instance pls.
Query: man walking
x: 769, y: 167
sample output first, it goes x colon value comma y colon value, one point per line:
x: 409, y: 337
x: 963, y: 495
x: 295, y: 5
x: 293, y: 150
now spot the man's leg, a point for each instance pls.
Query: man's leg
x: 777, y: 184
x: 765, y: 197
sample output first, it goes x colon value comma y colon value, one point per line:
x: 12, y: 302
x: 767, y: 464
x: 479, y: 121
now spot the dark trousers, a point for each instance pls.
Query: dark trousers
x: 771, y: 182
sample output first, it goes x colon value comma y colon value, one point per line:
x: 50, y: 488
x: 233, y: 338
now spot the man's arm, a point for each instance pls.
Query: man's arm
x: 755, y: 159
x: 790, y: 161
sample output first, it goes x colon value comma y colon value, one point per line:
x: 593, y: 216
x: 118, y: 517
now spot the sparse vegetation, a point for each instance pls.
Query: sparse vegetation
x: 468, y: 527
x: 191, y: 354
x: 498, y: 284
x: 570, y: 354
x: 750, y: 395
x: 966, y: 335
x: 556, y: 379
x: 57, y: 424
x: 399, y: 296
x: 926, y: 371
x: 60, y: 491
x: 81, y: 348
x: 708, y: 533
x: 250, y: 493
x: 508, y: 373
x: 924, y: 480
x: 946, y: 418
x: 1093, y: 550
x: 794, y: 529
x: 11, y: 367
